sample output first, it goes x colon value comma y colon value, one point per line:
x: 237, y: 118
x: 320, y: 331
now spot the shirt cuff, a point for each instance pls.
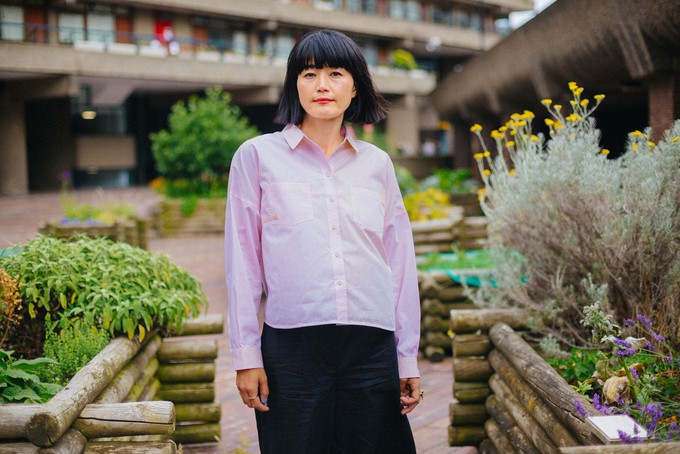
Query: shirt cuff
x: 247, y: 358
x: 408, y: 367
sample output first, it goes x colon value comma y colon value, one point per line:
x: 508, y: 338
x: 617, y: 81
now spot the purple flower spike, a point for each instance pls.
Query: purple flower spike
x: 634, y: 374
x: 659, y: 337
x: 630, y: 322
x: 646, y: 322
x: 581, y: 409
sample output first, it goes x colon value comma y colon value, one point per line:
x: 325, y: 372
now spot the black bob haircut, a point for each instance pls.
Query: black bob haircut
x: 333, y: 49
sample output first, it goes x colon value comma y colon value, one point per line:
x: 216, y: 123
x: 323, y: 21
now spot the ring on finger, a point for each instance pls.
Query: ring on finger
x: 252, y: 398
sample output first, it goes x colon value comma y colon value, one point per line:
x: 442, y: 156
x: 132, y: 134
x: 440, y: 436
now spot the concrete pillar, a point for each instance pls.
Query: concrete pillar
x: 664, y: 103
x: 14, y: 164
x: 403, y: 125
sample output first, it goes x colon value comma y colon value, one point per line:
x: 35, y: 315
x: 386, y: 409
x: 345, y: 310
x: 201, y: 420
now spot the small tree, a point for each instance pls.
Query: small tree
x: 202, y: 136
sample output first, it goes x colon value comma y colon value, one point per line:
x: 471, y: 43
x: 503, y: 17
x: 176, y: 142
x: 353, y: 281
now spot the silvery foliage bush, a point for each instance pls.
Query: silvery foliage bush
x: 587, y: 228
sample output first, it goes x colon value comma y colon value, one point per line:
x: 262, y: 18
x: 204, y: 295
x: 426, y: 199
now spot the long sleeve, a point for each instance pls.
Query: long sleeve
x: 398, y: 242
x: 243, y: 258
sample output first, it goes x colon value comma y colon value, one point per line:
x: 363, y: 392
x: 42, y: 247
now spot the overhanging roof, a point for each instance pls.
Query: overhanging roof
x: 602, y: 45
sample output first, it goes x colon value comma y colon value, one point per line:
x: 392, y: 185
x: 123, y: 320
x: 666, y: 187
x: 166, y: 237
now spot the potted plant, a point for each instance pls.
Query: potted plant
x: 193, y: 156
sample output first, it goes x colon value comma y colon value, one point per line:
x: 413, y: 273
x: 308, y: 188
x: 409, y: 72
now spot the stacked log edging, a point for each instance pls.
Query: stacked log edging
x: 132, y: 231
x: 207, y: 218
x: 509, y: 400
x: 187, y: 378
x: 439, y: 295
x: 108, y: 406
x: 472, y: 233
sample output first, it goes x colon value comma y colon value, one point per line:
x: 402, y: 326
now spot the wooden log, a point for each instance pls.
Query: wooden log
x: 421, y: 249
x: 452, y: 293
x: 186, y: 372
x: 195, y: 349
x: 498, y: 438
x: 470, y: 345
x: 514, y: 434
x: 210, y: 412
x: 531, y: 401
x: 435, y: 306
x: 434, y: 225
x: 206, y: 324
x: 467, y: 414
x: 547, y: 383
x: 434, y: 354
x: 187, y: 392
x: 471, y: 369
x: 197, y: 433
x: 14, y: 417
x: 466, y: 321
x: 143, y: 382
x: 132, y: 418
x: 131, y: 447
x: 644, y: 448
x: 466, y: 436
x: 438, y: 339
x: 444, y: 236
x: 19, y: 447
x: 487, y: 447
x: 151, y: 391
x: 47, y: 425
x: 471, y: 392
x: 72, y: 442
x: 122, y: 383
x: 522, y: 417
x: 434, y: 323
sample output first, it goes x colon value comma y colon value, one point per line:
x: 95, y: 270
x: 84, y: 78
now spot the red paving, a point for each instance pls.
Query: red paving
x: 21, y: 216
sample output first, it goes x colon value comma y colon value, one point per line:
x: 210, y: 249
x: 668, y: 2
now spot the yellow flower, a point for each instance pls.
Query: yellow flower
x: 651, y: 144
x: 584, y: 102
x: 638, y: 133
x: 635, y: 147
x: 573, y: 86
x: 529, y: 114
x: 578, y: 91
x: 515, y: 116
x: 521, y: 123
x: 478, y: 155
x: 675, y: 139
x: 486, y: 172
x: 513, y: 132
x: 481, y: 191
x: 605, y: 151
x: 599, y: 98
x: 496, y: 134
x: 487, y: 154
x: 476, y: 127
x: 511, y: 172
x: 534, y: 138
x: 549, y: 121
x: 511, y: 144
x: 546, y: 102
x: 503, y: 128
x: 573, y: 103
x: 573, y: 117
x: 558, y: 106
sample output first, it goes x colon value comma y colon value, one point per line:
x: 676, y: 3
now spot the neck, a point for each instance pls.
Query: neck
x: 326, y: 134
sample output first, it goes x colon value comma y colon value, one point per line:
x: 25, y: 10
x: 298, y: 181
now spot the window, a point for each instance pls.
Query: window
x: 101, y: 27
x: 71, y: 27
x: 11, y: 23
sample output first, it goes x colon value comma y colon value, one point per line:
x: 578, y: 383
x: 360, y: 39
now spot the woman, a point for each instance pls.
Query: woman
x: 316, y: 220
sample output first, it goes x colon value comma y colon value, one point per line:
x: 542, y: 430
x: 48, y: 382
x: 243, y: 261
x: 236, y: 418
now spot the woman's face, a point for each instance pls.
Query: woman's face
x: 325, y: 93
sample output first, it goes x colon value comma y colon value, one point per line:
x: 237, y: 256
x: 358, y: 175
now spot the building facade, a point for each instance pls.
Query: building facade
x: 83, y: 83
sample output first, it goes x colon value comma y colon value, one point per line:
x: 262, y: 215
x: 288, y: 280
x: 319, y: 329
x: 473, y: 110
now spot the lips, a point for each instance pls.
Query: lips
x: 323, y: 100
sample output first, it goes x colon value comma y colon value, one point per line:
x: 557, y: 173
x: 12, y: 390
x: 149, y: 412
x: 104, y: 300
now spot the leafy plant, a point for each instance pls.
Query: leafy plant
x: 451, y: 181
x: 405, y: 179
x: 19, y: 383
x: 202, y: 136
x: 10, y: 304
x: 126, y: 290
x: 459, y: 259
x: 401, y: 58
x: 429, y: 204
x: 71, y: 348
x: 577, y: 216
x: 105, y: 213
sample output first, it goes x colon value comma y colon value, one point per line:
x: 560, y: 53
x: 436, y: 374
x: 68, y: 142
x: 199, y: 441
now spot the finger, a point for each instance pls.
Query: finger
x: 408, y: 404
x: 264, y: 392
x: 259, y: 405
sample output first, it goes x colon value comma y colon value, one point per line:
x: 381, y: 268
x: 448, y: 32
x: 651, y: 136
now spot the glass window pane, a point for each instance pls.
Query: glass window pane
x: 101, y: 27
x: 12, y: 19
x: 71, y: 27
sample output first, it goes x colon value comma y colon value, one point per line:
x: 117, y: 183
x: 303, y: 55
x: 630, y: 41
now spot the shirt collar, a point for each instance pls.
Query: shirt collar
x: 294, y: 135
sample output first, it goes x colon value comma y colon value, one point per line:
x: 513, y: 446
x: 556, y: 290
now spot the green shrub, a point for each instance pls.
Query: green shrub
x: 124, y: 289
x: 19, y: 382
x: 202, y: 136
x: 451, y: 181
x: 590, y: 228
x: 72, y: 347
x: 401, y: 58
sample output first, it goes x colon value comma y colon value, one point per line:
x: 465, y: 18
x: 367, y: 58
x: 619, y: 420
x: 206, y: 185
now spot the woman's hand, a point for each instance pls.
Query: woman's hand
x: 410, y: 393
x: 253, y: 387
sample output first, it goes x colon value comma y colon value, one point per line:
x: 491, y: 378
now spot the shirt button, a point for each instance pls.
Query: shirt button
x: 339, y: 283
x: 331, y: 199
x: 334, y: 226
x: 328, y: 174
x: 337, y: 254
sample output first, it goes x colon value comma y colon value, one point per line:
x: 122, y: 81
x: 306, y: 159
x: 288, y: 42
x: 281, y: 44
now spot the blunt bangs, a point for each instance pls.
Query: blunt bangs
x: 328, y: 48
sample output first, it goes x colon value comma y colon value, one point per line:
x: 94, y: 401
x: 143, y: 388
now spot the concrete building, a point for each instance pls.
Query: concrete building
x: 83, y: 83
x: 626, y: 49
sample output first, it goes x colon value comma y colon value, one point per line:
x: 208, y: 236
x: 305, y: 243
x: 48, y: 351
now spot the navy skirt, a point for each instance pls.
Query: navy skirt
x: 332, y: 389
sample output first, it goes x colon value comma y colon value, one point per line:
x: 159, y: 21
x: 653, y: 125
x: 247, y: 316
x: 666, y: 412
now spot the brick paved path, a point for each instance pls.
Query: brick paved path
x: 20, y: 218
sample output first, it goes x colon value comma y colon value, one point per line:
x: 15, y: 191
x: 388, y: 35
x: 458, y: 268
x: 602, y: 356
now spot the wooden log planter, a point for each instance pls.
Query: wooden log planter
x: 439, y: 295
x: 110, y: 404
x: 520, y: 403
x: 207, y: 217
x: 132, y: 231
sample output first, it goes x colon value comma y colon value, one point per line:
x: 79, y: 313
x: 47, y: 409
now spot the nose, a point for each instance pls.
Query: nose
x: 322, y: 82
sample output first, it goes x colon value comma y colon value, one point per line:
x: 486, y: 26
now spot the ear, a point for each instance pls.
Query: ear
x: 354, y: 91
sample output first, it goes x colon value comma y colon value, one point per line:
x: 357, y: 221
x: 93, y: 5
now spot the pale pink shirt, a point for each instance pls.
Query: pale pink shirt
x: 328, y: 240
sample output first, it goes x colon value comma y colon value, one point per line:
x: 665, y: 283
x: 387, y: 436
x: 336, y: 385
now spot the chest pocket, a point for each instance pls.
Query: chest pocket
x: 287, y: 203
x: 368, y: 209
